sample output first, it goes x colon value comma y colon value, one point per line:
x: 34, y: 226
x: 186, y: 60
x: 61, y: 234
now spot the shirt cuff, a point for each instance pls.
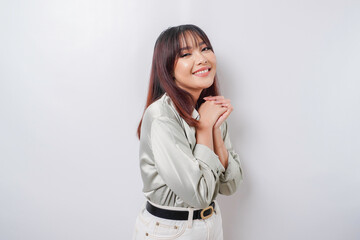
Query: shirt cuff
x: 230, y: 170
x: 206, y: 155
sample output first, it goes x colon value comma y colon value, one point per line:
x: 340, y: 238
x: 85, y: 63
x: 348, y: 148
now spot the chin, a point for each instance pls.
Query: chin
x: 210, y: 82
x: 205, y: 82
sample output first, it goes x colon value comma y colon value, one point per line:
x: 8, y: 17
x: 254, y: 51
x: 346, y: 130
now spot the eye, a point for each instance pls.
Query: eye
x: 184, y: 55
x: 206, y: 48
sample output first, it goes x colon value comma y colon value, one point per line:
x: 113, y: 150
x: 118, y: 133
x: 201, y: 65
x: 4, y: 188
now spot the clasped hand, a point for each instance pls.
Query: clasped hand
x: 214, y: 111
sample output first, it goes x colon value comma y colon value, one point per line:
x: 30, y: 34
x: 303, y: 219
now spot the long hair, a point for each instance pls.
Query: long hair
x: 166, y: 53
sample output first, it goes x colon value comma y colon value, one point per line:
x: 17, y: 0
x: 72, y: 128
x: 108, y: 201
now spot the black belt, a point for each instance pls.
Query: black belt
x: 180, y: 215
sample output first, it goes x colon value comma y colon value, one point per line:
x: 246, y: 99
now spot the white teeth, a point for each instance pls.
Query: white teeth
x: 204, y: 71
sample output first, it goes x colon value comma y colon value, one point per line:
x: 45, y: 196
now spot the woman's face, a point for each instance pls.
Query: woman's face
x: 196, y: 67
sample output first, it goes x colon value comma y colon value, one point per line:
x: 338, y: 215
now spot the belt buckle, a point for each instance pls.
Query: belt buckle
x: 205, y: 209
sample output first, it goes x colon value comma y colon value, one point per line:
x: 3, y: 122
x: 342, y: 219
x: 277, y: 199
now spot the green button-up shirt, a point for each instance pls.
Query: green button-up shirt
x: 176, y: 171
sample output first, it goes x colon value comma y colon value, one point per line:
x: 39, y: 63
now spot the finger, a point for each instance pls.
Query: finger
x: 226, y: 114
x: 207, y: 97
x: 227, y: 104
x: 219, y: 97
x: 222, y: 101
x: 214, y: 97
x: 223, y: 116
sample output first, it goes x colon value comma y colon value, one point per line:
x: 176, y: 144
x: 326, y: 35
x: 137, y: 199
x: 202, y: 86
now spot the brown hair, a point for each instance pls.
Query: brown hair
x: 166, y: 53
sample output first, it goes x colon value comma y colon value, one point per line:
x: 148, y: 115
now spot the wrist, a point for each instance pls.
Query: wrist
x: 203, y: 126
x: 215, y: 129
x: 216, y: 132
x: 205, y: 136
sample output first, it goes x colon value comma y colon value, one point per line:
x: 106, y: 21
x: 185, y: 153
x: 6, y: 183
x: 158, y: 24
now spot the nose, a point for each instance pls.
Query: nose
x: 200, y: 58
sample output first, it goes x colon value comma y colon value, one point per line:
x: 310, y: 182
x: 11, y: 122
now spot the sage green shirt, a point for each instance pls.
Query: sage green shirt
x: 176, y: 171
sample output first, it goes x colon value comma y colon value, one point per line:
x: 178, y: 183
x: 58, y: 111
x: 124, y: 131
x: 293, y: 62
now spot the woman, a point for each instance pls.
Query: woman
x: 186, y: 156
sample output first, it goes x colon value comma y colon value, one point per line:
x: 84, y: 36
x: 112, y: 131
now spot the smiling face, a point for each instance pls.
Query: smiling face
x: 195, y: 68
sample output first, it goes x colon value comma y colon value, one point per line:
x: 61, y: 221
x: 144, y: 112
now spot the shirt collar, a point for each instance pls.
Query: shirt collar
x: 195, y: 114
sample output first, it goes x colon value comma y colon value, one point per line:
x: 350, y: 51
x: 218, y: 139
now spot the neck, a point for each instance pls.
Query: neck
x: 195, y: 96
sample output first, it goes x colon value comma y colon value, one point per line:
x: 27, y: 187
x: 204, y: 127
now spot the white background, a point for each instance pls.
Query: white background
x: 73, y: 84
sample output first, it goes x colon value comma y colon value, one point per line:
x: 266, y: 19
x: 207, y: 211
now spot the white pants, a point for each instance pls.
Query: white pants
x: 149, y: 226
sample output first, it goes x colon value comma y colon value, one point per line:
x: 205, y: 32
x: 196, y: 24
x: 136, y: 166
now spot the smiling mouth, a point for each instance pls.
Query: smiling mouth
x: 203, y: 71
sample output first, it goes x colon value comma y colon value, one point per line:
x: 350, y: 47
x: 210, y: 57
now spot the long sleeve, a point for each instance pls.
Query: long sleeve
x: 193, y: 175
x: 233, y: 176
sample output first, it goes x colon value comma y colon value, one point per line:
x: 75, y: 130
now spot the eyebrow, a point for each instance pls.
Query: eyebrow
x: 187, y: 47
